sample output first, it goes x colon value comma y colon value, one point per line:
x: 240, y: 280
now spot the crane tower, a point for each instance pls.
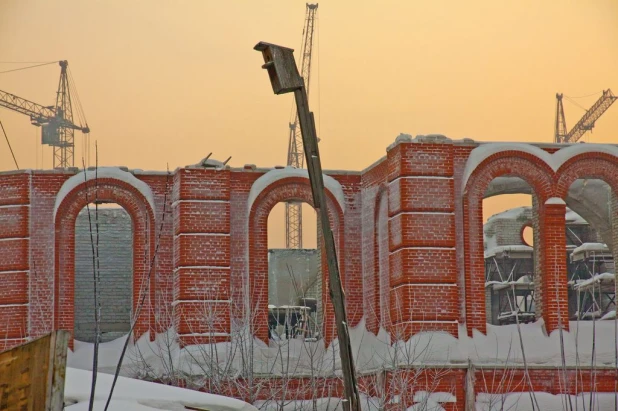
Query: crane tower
x: 586, y: 123
x: 296, y: 155
x: 56, y: 122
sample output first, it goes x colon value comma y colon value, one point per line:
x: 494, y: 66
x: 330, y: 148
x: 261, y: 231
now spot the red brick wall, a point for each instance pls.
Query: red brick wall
x: 374, y: 247
x: 350, y: 248
x: 161, y: 185
x: 292, y: 188
x: 504, y: 163
x: 426, y: 273
x: 202, y: 255
x: 14, y: 221
x: 422, y: 226
x: 44, y: 188
x: 14, y: 258
x: 144, y: 242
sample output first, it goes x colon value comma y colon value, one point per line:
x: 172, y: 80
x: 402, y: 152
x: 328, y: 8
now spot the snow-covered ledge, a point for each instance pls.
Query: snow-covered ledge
x: 275, y: 175
x: 115, y: 173
x: 554, y: 161
x: 555, y: 201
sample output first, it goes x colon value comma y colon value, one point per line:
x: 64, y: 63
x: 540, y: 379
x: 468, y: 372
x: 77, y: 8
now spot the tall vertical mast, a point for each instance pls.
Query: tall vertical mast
x: 296, y: 158
x: 560, y: 129
x: 63, y: 147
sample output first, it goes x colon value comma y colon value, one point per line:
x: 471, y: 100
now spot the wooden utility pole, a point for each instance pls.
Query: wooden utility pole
x: 284, y: 78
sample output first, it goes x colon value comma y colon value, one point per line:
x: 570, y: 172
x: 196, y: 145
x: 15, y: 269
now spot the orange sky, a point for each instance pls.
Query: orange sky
x: 170, y: 81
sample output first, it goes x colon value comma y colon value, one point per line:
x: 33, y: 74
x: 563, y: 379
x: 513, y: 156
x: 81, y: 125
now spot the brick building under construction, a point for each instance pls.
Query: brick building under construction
x: 408, y: 228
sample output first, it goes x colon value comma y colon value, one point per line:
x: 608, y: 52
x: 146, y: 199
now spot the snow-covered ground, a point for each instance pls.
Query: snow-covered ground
x: 522, y: 401
x: 501, y: 345
x: 136, y: 395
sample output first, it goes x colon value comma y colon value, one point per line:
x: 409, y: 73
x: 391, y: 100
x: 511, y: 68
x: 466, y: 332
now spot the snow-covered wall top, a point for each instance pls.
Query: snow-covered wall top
x: 598, y: 247
x: 554, y: 161
x: 572, y: 217
x: 275, y: 175
x: 103, y: 172
x: 511, y: 214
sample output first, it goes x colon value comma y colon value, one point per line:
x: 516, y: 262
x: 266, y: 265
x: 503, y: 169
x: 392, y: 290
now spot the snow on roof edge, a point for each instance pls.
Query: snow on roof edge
x: 517, y: 248
x: 554, y: 161
x: 555, y: 201
x: 115, y: 173
x: 599, y: 247
x: 512, y: 213
x: 279, y: 174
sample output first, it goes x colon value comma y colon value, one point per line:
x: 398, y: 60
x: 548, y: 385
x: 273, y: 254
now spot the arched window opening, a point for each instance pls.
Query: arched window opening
x: 590, y: 262
x: 295, y: 289
x: 114, y: 250
x: 509, y: 258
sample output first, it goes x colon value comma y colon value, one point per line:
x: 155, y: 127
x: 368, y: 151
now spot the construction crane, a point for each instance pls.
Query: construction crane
x: 56, y: 122
x: 296, y: 156
x: 586, y: 123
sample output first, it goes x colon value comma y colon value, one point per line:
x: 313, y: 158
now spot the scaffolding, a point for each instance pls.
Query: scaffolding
x: 510, y: 270
x: 509, y: 284
x: 592, y: 290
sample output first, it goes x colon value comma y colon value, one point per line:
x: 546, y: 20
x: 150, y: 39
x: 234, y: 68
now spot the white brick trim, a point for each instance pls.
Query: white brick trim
x: 421, y: 178
x: 175, y: 203
x: 176, y: 302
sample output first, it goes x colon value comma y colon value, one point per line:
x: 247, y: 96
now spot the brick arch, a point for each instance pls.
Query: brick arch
x: 376, y: 307
x: 143, y: 222
x: 532, y: 169
x: 283, y: 190
x: 597, y: 165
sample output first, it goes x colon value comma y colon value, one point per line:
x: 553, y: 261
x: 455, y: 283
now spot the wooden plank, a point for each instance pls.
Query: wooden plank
x: 58, y: 368
x: 27, y: 374
x: 469, y: 388
x: 337, y: 295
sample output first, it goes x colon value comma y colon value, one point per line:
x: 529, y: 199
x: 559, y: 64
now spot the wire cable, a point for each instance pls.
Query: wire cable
x: 575, y: 103
x: 95, y: 357
x: 9, y: 144
x: 29, y: 67
x: 317, y: 18
x: 587, y: 95
x: 26, y: 62
x: 80, y: 109
x: 36, y: 151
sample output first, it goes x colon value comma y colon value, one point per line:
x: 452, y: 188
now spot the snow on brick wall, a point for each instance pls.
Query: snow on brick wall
x: 426, y: 194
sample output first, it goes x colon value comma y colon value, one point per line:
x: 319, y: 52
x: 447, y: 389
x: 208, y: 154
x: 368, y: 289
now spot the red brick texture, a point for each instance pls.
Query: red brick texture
x: 14, y: 258
x: 292, y: 188
x: 202, y: 255
x: 409, y: 240
x: 504, y: 163
x: 423, y: 291
x: 108, y: 190
x: 553, y: 280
